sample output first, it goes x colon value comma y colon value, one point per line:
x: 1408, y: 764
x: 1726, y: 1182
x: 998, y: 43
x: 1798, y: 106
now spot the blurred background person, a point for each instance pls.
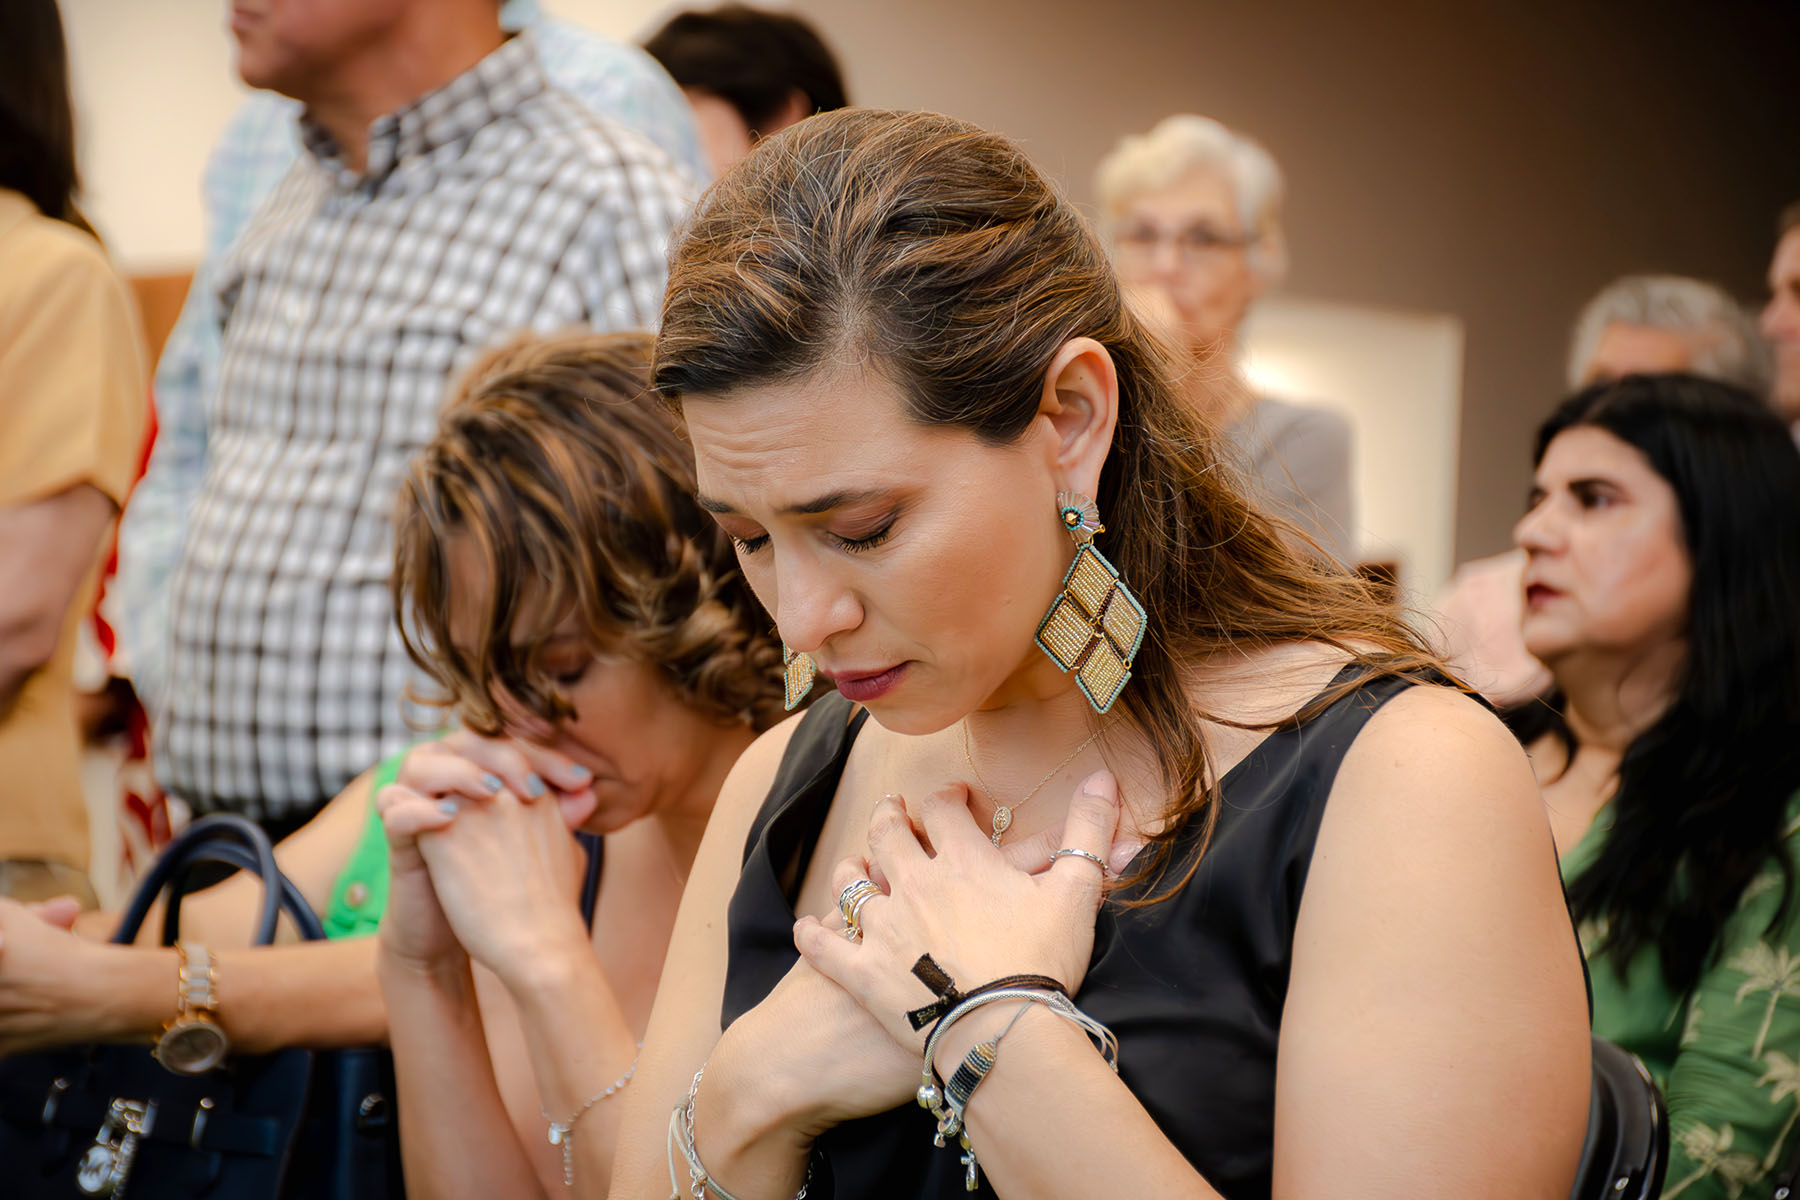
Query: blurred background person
x: 748, y: 74
x: 1193, y: 213
x: 1652, y: 324
x: 72, y: 418
x: 1781, y: 316
x: 1636, y: 325
x: 448, y: 196
x: 259, y: 146
x: 1663, y: 567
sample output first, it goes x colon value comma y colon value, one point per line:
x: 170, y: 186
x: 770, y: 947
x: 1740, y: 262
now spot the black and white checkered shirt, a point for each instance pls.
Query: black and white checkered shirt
x: 493, y: 204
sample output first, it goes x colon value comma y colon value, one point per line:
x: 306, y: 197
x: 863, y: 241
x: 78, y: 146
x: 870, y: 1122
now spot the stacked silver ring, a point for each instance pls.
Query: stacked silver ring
x: 850, y: 903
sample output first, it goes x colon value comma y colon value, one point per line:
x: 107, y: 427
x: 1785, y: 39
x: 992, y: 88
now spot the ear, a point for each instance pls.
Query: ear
x: 795, y: 109
x: 1081, y: 405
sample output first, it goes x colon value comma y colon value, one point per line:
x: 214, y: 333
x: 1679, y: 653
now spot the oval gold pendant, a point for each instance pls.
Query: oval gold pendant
x: 1002, y: 822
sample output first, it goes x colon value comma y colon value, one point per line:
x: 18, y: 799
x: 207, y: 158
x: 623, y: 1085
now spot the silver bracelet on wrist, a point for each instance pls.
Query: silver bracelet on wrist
x: 700, y: 1183
x: 560, y: 1130
x: 947, y: 1102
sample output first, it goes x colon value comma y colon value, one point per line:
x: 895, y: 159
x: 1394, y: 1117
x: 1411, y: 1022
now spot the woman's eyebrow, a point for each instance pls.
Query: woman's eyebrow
x: 818, y: 504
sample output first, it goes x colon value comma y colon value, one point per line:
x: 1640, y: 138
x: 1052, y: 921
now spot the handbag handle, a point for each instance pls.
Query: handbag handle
x: 194, y: 841
x: 233, y: 855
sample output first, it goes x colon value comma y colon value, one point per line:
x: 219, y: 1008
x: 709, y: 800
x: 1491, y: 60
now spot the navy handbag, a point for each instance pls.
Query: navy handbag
x: 109, y: 1119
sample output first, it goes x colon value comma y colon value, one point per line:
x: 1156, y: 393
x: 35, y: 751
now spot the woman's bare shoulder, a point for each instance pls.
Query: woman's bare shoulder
x: 1434, y: 751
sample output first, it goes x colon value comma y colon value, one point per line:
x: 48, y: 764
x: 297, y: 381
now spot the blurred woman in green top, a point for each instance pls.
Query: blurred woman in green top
x: 1662, y: 589
x: 589, y: 626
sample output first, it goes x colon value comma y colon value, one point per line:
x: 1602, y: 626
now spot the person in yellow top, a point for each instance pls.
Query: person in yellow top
x: 72, y: 418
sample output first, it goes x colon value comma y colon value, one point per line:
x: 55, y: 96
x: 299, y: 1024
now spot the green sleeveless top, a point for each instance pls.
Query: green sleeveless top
x: 360, y: 894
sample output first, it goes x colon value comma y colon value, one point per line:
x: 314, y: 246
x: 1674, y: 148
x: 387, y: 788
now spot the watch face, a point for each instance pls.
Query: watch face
x: 192, y: 1046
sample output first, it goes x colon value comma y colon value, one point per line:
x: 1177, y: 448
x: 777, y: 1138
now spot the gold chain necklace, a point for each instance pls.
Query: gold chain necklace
x: 1003, y: 813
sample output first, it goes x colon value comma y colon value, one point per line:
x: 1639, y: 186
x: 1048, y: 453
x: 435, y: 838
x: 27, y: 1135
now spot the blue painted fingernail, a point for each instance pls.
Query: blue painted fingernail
x: 579, y: 773
x: 447, y: 807
x: 492, y: 783
x: 534, y: 787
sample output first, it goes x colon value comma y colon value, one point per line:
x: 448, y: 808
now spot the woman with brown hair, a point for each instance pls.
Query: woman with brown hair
x: 557, y: 578
x: 1227, y: 895
x: 607, y: 662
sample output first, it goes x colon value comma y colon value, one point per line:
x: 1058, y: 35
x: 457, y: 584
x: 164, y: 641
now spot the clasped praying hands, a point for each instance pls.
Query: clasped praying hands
x: 975, y: 909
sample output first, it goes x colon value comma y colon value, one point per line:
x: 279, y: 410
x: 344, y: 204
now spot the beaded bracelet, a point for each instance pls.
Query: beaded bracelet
x: 681, y: 1139
x: 977, y: 1063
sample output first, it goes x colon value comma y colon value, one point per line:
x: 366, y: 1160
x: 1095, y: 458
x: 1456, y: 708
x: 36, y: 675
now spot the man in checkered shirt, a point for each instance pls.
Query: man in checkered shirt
x: 448, y: 196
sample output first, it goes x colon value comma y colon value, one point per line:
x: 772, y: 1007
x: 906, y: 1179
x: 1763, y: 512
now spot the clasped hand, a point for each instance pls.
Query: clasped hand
x: 949, y: 892
x: 481, y: 857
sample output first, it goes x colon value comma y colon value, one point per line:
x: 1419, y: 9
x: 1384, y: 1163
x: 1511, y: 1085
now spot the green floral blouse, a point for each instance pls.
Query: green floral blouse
x: 1727, y: 1054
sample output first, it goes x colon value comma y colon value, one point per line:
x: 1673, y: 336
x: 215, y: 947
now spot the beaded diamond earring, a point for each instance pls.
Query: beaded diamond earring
x: 797, y: 671
x: 1095, y: 626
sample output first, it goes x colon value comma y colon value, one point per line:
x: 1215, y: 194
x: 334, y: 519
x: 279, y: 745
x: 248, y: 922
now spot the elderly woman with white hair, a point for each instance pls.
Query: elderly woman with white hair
x: 1193, y: 214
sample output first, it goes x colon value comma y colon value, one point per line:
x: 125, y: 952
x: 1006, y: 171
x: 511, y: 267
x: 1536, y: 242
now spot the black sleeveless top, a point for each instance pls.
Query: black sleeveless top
x: 1193, y: 985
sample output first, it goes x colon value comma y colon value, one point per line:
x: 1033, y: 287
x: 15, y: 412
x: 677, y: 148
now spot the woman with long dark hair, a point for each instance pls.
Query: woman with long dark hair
x: 1224, y: 896
x: 1662, y: 589
x: 72, y: 417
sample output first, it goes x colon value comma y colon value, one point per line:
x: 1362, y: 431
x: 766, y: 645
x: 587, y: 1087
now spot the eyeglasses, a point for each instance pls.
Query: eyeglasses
x: 1194, y: 246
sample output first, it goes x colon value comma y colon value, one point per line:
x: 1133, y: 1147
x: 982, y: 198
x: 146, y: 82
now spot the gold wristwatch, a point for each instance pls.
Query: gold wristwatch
x: 192, y: 1042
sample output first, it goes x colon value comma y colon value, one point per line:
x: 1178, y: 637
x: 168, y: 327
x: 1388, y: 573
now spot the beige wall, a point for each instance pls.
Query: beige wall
x: 1496, y: 161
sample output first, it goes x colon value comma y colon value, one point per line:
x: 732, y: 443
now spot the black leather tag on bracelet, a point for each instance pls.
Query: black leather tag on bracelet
x: 939, y: 981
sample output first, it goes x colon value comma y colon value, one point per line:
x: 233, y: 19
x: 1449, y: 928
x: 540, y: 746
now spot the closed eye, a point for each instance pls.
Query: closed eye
x: 854, y: 545
x: 867, y: 541
x: 573, y: 675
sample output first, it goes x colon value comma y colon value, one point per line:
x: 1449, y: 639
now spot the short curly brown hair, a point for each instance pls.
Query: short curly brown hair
x: 575, y: 489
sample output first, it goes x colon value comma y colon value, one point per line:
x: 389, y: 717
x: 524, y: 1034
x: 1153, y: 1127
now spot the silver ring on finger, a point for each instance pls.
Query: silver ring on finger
x: 1087, y: 854
x: 856, y: 908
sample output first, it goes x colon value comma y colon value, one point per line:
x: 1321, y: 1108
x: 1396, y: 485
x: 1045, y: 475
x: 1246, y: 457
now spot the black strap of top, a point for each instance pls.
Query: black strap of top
x: 818, y: 745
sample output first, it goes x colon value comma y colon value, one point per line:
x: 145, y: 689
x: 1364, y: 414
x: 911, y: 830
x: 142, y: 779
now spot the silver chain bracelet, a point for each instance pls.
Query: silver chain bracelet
x: 560, y: 1130
x: 700, y: 1183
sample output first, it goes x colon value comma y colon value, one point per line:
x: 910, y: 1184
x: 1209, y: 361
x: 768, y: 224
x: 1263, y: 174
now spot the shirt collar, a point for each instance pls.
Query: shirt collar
x: 454, y: 112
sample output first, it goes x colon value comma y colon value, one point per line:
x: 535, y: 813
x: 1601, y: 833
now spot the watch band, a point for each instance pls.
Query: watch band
x: 198, y: 986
